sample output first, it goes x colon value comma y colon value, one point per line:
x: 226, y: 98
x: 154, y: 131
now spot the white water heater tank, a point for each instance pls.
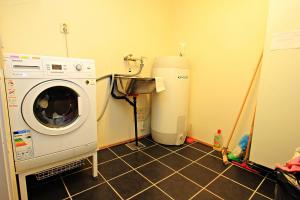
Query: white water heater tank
x: 169, y: 111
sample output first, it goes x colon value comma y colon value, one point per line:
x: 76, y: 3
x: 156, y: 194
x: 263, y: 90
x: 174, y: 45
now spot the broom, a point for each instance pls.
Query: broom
x: 244, y: 163
x: 225, y: 148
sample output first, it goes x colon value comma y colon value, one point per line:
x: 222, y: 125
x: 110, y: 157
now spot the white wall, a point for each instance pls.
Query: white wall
x: 276, y: 132
x: 224, y: 40
x: 105, y: 30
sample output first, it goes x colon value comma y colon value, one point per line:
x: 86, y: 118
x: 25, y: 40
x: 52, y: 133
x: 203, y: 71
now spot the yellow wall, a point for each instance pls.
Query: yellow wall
x: 105, y: 30
x: 224, y: 40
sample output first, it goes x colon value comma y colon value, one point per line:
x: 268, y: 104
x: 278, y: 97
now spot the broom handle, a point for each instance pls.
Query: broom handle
x: 250, y: 137
x: 244, y: 101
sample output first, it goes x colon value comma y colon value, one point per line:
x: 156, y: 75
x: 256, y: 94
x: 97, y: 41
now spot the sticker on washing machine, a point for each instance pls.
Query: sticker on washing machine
x: 11, y: 94
x: 12, y: 102
x: 10, y: 83
x: 23, y: 144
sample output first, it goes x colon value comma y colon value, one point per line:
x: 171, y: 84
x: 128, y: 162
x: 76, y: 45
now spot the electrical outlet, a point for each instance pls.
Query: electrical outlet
x: 64, y: 28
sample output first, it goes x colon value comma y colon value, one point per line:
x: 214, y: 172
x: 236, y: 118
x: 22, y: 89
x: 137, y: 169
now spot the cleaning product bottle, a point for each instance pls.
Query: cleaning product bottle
x: 218, y: 140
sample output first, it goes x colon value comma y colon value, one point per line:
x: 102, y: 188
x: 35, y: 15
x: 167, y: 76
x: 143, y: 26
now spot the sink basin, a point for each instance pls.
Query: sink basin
x: 134, y: 85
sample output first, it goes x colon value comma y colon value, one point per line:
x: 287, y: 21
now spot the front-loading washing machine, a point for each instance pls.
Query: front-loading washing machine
x: 52, y: 108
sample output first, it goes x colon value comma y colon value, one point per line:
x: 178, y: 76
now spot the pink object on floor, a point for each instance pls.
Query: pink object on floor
x: 292, y: 165
x: 190, y: 140
x: 245, y: 166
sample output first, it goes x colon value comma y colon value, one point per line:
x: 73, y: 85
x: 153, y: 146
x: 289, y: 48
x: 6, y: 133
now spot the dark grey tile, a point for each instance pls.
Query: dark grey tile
x: 175, y: 161
x: 244, y: 177
x: 190, y: 153
x: 32, y: 182
x: 155, y: 171
x: 202, y: 147
x: 217, y: 154
x: 258, y: 197
x: 199, y: 174
x: 113, y: 168
x: 47, y: 190
x: 267, y: 188
x: 271, y: 176
x: 136, y: 159
x: 81, y: 180
x: 156, y: 151
x: 205, y: 195
x: 174, y: 147
x: 213, y: 163
x: 149, y: 137
x: 146, y: 142
x: 228, y: 189
x: 129, y: 184
x: 102, y: 191
x: 121, y: 150
x: 151, y: 194
x: 104, y: 155
x: 179, y: 187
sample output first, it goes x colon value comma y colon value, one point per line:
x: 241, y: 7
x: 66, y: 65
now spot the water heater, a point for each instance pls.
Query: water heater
x: 169, y: 111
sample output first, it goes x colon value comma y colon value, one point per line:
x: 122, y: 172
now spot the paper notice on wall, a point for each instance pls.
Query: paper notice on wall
x: 286, y: 40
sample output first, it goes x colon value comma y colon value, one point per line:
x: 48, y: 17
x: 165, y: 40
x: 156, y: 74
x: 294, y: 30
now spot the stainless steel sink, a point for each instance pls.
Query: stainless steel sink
x: 134, y: 85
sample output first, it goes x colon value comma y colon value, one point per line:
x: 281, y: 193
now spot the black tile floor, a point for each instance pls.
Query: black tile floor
x: 156, y: 172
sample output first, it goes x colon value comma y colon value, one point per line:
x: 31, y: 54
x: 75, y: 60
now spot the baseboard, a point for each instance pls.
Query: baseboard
x: 122, y: 142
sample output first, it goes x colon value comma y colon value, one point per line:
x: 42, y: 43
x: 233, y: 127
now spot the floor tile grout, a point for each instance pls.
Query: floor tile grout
x: 158, y: 159
x: 178, y: 171
x: 237, y: 182
x: 257, y: 188
x: 212, y: 193
x: 65, y: 186
x: 204, y: 188
x: 208, y: 153
x: 193, y: 161
x: 264, y: 195
x: 87, y: 189
x: 145, y: 178
x: 109, y: 184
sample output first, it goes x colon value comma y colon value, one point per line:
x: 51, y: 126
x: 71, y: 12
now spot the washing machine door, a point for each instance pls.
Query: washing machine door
x: 55, y: 107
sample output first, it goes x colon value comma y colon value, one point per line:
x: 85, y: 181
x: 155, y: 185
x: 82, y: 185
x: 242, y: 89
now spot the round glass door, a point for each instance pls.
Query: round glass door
x: 56, y: 107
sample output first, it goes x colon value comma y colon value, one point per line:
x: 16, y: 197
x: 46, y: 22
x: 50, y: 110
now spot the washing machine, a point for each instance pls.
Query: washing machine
x: 52, y: 108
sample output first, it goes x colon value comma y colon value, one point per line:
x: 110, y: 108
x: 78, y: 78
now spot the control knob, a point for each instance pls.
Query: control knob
x: 78, y: 67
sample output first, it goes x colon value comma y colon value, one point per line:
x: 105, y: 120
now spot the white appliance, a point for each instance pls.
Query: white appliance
x: 277, y: 128
x: 52, y: 108
x: 5, y: 186
x: 169, y: 112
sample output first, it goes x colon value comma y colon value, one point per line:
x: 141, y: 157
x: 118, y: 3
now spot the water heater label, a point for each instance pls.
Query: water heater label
x: 182, y: 77
x: 23, y: 144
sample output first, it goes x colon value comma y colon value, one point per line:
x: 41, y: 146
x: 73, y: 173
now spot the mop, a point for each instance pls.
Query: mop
x: 225, y: 148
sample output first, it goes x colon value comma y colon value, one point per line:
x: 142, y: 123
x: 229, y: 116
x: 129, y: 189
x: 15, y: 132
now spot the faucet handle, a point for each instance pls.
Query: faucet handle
x: 128, y: 57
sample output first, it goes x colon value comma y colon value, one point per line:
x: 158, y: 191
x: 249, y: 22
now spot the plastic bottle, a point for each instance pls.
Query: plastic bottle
x: 218, y: 140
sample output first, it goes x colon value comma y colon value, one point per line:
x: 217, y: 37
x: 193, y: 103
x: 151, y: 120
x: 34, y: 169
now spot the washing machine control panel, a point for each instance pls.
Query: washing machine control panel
x: 71, y: 67
x: 19, y: 65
